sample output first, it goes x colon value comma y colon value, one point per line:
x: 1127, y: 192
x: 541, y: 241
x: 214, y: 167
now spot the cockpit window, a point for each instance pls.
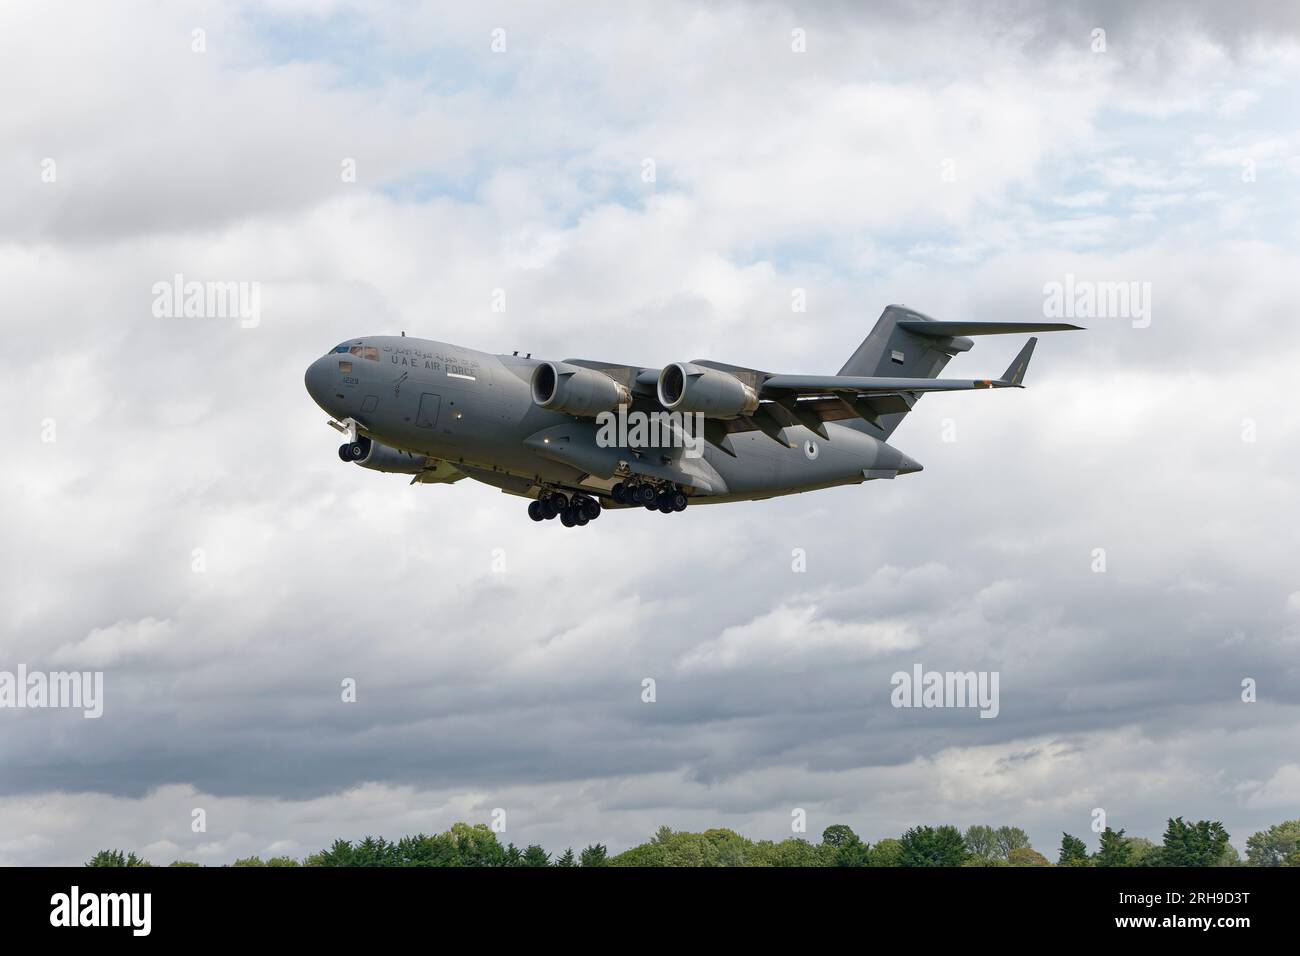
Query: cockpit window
x: 368, y: 352
x: 340, y: 348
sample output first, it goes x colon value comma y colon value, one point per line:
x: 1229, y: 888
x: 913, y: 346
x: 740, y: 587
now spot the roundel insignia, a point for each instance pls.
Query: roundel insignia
x: 810, y: 450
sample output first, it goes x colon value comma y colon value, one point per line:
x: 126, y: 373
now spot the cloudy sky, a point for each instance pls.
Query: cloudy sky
x: 954, y: 161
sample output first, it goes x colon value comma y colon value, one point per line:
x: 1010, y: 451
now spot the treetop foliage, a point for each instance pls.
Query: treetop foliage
x: 1200, y: 843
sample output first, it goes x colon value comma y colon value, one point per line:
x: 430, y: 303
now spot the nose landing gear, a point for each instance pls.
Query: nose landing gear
x: 354, y: 450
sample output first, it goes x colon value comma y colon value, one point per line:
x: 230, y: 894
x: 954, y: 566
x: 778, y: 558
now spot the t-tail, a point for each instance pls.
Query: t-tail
x: 904, y: 344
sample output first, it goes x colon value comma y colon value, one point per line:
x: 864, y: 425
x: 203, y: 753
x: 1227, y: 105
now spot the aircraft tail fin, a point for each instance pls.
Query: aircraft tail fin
x: 893, y: 350
x: 906, y: 344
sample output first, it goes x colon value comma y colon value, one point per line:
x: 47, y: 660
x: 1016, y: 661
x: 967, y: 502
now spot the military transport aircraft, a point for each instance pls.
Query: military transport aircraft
x: 580, y: 436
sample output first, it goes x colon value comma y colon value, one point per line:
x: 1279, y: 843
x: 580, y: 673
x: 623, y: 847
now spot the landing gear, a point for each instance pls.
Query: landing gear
x: 573, y: 511
x: 577, y: 509
x: 664, y: 498
x: 354, y: 450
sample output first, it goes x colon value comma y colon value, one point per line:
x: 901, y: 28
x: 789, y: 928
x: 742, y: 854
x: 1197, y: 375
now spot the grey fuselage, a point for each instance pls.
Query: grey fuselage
x: 475, y: 411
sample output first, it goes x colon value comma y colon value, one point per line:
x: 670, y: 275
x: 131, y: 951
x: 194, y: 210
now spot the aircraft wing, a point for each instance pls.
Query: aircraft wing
x: 813, y: 400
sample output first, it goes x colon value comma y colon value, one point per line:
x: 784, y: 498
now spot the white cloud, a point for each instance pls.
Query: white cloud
x: 793, y: 637
x: 1280, y: 790
x: 110, y: 645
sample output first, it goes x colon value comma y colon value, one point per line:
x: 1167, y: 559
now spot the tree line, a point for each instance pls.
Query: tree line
x: 1202, y: 843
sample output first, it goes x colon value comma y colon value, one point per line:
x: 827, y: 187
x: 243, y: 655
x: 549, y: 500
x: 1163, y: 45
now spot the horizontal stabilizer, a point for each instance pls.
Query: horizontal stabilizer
x: 942, y: 330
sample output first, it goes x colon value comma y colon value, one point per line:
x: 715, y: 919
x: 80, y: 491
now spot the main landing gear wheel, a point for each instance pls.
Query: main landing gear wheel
x: 567, y: 518
x: 590, y: 509
x: 619, y: 493
x: 535, y: 511
x: 678, y: 500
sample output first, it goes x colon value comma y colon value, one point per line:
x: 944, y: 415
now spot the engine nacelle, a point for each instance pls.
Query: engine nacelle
x: 576, y: 390
x: 684, y: 387
x: 380, y: 457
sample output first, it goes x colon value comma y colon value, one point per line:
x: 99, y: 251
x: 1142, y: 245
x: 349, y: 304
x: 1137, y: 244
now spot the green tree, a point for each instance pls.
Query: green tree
x: 1074, y: 852
x: 1027, y: 856
x: 1011, y: 838
x: 424, y: 850
x: 887, y: 852
x: 982, y: 842
x: 594, y: 855
x: 790, y: 852
x: 536, y: 856
x: 249, y: 861
x: 476, y: 845
x: 339, y: 854
x: 1194, y: 844
x: 843, y: 847
x: 1114, y: 850
x: 1142, y: 852
x: 116, y: 858
x: 934, y: 846
x: 853, y: 854
x: 646, y: 854
x: 1272, y: 846
x: 374, y: 851
x: 838, y: 834
x: 716, y: 847
x: 566, y: 858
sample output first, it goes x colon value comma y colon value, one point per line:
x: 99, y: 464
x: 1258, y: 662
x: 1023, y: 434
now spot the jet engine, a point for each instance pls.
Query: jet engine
x: 377, y: 456
x: 684, y: 387
x: 577, y: 391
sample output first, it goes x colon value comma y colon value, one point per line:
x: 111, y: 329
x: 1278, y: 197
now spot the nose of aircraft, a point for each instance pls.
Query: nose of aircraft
x: 317, y: 380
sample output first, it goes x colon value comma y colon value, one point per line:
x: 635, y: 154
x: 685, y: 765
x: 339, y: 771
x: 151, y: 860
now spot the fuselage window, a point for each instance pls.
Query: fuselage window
x: 345, y: 367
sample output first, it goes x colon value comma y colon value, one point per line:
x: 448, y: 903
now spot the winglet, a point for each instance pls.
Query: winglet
x: 1014, y: 376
